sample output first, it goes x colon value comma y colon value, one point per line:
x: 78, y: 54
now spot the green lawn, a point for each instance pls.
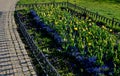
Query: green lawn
x: 111, y: 10
x: 106, y: 8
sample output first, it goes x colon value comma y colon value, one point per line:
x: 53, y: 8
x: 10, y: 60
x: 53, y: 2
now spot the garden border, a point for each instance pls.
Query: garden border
x: 46, y: 66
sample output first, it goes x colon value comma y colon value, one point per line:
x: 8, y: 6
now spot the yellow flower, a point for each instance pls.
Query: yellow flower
x: 110, y: 30
x: 86, y: 28
x: 65, y: 39
x: 83, y: 21
x: 72, y: 39
x: 65, y: 22
x: 75, y: 28
x: 89, y: 20
x: 104, y: 27
x: 48, y: 14
x: 60, y: 20
x: 70, y: 22
x: 86, y: 38
x: 90, y: 24
x: 87, y: 17
x: 89, y: 33
x: 43, y: 14
x: 89, y: 44
x: 83, y: 29
x: 77, y: 22
x: 56, y: 22
x: 82, y: 46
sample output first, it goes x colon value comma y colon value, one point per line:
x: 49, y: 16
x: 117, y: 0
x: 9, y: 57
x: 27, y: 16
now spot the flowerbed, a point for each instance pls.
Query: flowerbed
x: 73, y: 46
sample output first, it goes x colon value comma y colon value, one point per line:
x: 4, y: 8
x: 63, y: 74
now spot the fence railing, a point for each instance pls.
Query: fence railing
x: 18, y: 6
x: 97, y: 17
x: 46, y: 66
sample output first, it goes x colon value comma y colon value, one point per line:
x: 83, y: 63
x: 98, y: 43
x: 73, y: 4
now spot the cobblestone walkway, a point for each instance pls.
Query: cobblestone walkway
x: 14, y: 60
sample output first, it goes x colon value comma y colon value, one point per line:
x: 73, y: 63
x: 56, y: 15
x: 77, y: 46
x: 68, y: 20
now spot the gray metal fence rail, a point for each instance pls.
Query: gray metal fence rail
x: 114, y: 22
x: 96, y: 16
x: 46, y: 66
x: 41, y: 4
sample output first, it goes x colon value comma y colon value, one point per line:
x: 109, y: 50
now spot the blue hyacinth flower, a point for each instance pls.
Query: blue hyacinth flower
x: 72, y: 65
x: 104, y: 68
x: 59, y: 49
x: 36, y: 19
x: 79, y: 58
x: 47, y: 29
x: 110, y: 73
x: 33, y: 13
x: 55, y: 35
x: 92, y: 59
x: 69, y: 48
x: 75, y: 54
x: 41, y: 25
x: 58, y: 39
x: 86, y: 49
x: 20, y: 15
x: 96, y: 70
x: 90, y: 70
x: 73, y: 49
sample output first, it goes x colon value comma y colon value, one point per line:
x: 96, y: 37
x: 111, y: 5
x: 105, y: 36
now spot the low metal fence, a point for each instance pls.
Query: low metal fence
x: 113, y: 21
x: 95, y: 16
x: 46, y: 66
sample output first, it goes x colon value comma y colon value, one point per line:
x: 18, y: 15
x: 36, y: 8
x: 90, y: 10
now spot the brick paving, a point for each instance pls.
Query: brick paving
x: 14, y: 60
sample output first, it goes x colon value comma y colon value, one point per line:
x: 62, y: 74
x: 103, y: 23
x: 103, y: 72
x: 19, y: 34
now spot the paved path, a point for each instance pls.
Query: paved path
x: 14, y: 60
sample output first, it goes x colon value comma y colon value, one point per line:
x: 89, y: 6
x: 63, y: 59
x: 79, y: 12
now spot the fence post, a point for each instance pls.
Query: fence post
x: 112, y: 22
x: 96, y: 15
x: 74, y: 4
x: 54, y: 3
x: 67, y: 3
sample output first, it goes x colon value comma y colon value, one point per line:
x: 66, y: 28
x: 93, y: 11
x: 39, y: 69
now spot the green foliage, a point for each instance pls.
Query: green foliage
x: 98, y: 40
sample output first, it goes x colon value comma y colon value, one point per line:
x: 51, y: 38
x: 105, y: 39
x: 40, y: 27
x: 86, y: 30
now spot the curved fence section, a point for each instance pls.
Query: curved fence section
x: 20, y: 6
x: 46, y: 66
x: 97, y: 17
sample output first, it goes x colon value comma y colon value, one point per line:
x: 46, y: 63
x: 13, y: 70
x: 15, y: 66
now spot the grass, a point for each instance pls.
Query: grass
x: 105, y: 8
x: 108, y: 9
